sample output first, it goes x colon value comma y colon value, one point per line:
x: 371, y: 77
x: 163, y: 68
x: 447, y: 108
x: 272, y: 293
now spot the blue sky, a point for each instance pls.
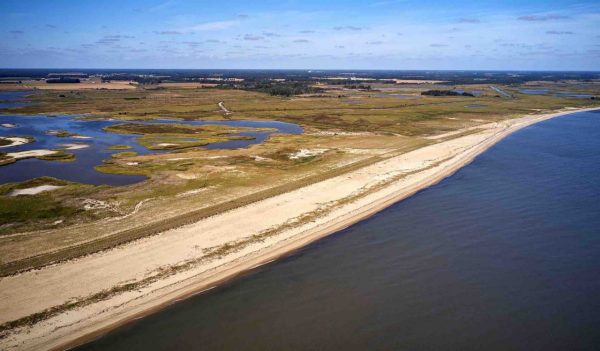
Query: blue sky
x: 343, y: 34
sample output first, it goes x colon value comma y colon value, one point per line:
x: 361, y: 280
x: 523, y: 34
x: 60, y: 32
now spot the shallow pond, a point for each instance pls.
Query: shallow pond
x: 566, y: 94
x: 82, y: 169
x: 534, y: 91
x: 573, y: 95
x: 10, y: 99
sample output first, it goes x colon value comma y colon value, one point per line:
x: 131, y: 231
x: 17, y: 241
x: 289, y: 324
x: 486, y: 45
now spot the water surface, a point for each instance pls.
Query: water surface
x: 82, y: 169
x: 9, y: 99
x: 504, y: 255
x: 565, y: 94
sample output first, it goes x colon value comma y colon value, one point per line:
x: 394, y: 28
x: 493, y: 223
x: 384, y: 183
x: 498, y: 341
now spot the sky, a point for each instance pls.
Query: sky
x: 301, y: 34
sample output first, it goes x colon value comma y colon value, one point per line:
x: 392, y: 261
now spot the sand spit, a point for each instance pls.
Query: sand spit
x: 178, y: 263
x: 31, y: 153
x: 75, y: 146
x: 15, y: 141
x: 8, y: 125
x: 34, y: 190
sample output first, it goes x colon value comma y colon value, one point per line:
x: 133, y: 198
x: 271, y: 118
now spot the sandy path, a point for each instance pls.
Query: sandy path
x: 31, y: 292
x: 223, y: 108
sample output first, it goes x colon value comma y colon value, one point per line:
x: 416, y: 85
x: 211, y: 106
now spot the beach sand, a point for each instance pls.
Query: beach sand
x: 285, y: 222
x: 34, y: 190
x: 15, y: 141
x: 31, y: 153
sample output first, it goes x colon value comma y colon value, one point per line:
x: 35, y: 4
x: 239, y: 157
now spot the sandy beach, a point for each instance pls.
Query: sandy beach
x: 75, y: 301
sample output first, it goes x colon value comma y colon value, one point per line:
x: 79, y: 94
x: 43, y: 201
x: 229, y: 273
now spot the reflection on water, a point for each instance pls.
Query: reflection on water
x: 504, y: 255
x: 82, y: 169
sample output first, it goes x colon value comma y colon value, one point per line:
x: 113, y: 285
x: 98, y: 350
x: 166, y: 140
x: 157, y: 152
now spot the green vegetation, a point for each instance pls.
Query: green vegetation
x: 51, y: 209
x: 124, y: 154
x: 283, y: 88
x: 158, y: 128
x: 61, y: 133
x: 60, y: 156
x: 7, y: 187
x: 20, y: 209
x: 119, y: 147
x: 62, y: 80
x: 446, y: 93
x: 356, y: 126
x: 4, y: 142
x: 162, y: 136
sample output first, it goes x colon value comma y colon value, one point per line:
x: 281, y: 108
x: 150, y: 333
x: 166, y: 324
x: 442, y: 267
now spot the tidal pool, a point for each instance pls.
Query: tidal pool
x: 91, y: 133
x: 10, y: 99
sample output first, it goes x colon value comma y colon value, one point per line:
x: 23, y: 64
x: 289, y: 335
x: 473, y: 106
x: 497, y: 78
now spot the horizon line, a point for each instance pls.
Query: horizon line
x: 304, y: 69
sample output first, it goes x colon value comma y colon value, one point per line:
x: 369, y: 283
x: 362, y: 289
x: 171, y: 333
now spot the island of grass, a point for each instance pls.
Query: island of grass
x: 124, y: 154
x: 172, y: 136
x: 119, y: 147
x: 59, y: 155
x: 64, y: 134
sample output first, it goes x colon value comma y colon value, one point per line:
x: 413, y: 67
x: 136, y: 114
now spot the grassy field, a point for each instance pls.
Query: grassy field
x: 344, y: 129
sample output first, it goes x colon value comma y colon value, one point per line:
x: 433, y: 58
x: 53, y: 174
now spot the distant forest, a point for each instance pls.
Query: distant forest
x: 63, y: 80
x: 149, y: 76
x: 446, y: 93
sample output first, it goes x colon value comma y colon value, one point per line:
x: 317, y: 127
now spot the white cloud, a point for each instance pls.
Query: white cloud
x: 213, y: 26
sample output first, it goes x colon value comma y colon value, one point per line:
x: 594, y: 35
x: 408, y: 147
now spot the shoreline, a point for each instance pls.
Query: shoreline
x: 76, y: 328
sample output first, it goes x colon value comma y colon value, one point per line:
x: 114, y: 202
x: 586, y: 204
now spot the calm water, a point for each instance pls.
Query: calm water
x: 10, y: 99
x: 504, y: 255
x: 566, y: 94
x: 82, y: 169
x: 540, y: 91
